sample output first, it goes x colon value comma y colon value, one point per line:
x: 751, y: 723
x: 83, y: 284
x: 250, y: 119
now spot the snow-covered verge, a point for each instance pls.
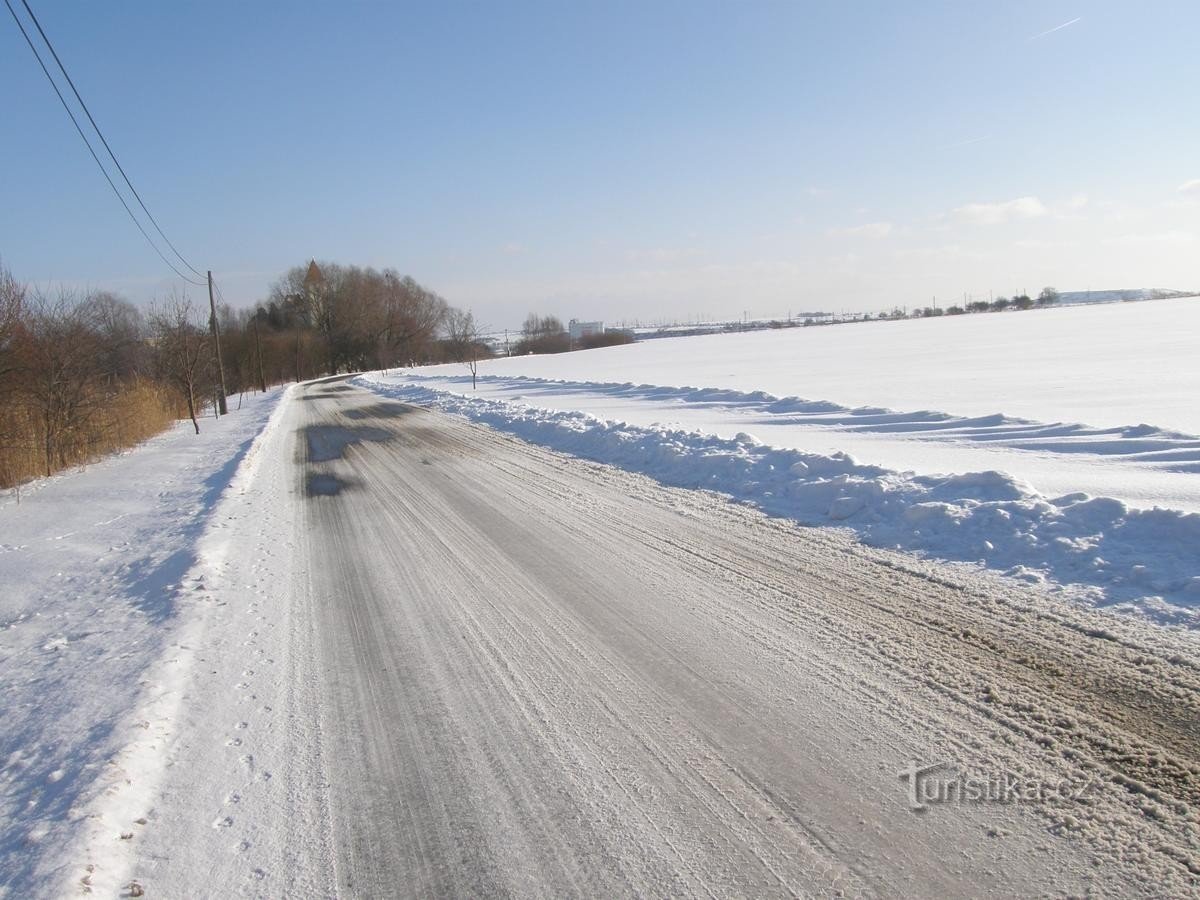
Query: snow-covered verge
x: 1095, y: 550
x: 101, y: 596
x: 242, y: 808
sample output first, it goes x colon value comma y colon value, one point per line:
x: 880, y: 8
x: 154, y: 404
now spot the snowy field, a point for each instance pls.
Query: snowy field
x: 1057, y: 445
x: 1108, y: 365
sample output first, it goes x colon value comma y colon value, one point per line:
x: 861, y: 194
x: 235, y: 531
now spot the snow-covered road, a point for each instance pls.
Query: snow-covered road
x: 451, y: 662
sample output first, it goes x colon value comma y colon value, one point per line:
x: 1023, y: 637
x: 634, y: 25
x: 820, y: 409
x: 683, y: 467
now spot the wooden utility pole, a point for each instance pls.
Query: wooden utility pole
x: 262, y: 379
x: 216, y: 333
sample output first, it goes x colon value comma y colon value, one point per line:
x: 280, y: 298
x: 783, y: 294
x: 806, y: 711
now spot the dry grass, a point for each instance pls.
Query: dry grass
x: 118, y: 417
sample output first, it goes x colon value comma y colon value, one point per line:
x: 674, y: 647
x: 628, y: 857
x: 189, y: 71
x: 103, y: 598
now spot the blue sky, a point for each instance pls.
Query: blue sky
x: 621, y: 160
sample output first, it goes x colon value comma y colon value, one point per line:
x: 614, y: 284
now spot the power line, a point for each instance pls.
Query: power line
x: 117, y: 163
x: 92, y: 151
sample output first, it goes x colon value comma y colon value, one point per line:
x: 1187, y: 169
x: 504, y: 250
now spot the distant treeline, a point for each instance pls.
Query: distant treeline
x: 546, y: 334
x: 85, y: 374
x: 1048, y: 297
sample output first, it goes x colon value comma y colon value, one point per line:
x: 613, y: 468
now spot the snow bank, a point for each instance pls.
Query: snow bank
x: 1159, y: 449
x: 1095, y: 549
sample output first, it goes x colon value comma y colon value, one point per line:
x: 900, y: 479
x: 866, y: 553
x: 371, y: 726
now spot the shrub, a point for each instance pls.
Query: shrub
x: 124, y: 414
x: 544, y: 343
x: 605, y: 339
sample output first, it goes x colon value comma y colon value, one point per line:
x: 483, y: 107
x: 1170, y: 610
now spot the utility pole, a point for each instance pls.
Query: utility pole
x: 262, y: 379
x: 216, y: 333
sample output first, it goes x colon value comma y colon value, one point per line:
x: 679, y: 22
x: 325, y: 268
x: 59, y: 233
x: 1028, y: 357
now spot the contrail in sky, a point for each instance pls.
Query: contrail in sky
x: 967, y: 142
x: 1057, y: 28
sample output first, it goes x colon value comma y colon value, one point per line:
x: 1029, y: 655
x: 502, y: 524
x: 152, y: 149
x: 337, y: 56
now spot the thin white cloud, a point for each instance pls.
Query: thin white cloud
x: 1162, y: 237
x: 513, y: 248
x: 1073, y: 209
x: 661, y: 255
x: 1190, y: 187
x: 939, y: 253
x: 1049, y: 31
x: 1034, y: 244
x: 868, y: 230
x: 999, y: 213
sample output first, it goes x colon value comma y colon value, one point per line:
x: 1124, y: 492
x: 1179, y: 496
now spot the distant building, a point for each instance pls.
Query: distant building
x: 581, y: 330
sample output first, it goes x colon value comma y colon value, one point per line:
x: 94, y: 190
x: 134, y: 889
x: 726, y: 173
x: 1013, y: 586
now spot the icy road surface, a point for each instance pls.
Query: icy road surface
x: 453, y: 663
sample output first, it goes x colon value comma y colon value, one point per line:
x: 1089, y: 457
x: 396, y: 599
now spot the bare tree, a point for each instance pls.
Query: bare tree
x: 463, y: 340
x: 410, y: 318
x: 181, y: 350
x: 12, y: 300
x: 122, y: 333
x: 542, y: 326
x: 60, y: 356
x: 543, y: 334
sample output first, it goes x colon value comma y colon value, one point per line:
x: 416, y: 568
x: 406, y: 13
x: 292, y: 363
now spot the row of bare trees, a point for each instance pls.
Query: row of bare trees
x: 82, y: 375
